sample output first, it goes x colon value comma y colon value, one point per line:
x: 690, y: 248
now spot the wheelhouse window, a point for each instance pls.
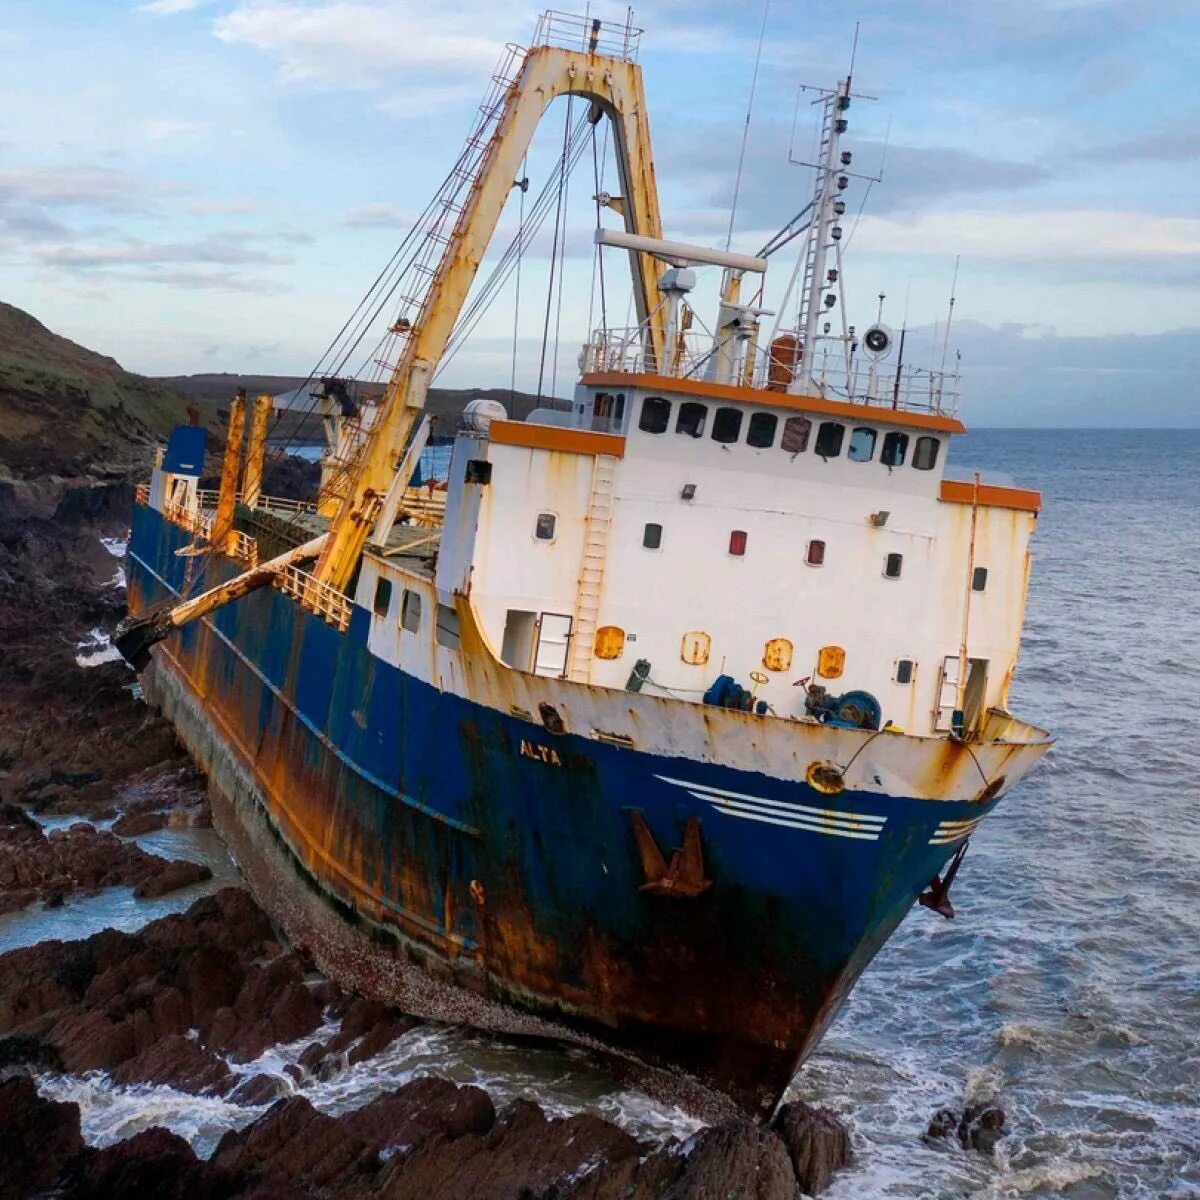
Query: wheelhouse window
x: 691, y: 419
x: 608, y: 410
x: 543, y: 528
x: 737, y: 543
x: 761, y: 432
x: 925, y: 453
x: 815, y: 554
x: 830, y: 436
x: 656, y: 415
x: 383, y: 597
x: 979, y: 579
x: 727, y: 425
x: 652, y: 536
x: 862, y: 444
x: 796, y: 432
x: 895, y: 449
x: 892, y: 565
x: 410, y: 611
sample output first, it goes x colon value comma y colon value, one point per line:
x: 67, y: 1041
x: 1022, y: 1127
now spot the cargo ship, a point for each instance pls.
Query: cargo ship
x: 650, y: 727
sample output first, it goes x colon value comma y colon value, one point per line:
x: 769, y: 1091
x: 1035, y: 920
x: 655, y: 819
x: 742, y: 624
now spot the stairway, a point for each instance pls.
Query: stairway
x: 591, y: 572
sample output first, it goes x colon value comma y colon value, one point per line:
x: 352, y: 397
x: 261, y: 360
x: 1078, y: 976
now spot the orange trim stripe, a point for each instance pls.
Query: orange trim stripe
x: 740, y: 395
x: 959, y: 491
x: 555, y: 437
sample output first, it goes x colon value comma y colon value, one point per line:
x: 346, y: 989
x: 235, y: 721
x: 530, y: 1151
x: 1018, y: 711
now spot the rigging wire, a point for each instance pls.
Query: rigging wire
x: 737, y: 183
x: 562, y: 266
x: 524, y: 185
x: 553, y: 260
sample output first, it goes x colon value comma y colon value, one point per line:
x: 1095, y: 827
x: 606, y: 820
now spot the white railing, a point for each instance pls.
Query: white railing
x: 243, y: 547
x: 318, y: 597
x: 208, y: 500
x: 141, y: 494
x: 574, y: 32
x: 197, y: 523
x: 911, y: 389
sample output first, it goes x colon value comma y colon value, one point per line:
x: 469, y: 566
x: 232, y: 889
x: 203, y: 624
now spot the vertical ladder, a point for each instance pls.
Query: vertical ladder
x: 816, y: 233
x: 591, y: 572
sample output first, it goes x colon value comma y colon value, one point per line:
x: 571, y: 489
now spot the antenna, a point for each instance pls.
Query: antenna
x: 737, y: 184
x: 950, y: 314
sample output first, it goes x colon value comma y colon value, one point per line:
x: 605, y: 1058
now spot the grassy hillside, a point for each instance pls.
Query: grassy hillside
x: 65, y: 409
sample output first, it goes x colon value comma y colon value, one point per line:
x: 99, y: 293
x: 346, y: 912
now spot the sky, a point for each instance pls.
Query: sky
x: 211, y: 185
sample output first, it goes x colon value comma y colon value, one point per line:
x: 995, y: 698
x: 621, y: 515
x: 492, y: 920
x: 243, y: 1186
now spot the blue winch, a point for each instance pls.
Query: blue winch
x: 850, y: 710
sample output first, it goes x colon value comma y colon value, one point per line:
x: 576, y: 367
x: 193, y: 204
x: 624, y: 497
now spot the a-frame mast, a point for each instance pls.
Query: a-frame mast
x: 613, y: 83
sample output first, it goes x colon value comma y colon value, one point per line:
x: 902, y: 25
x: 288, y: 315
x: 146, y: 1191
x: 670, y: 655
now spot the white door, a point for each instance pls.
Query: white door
x: 553, y: 643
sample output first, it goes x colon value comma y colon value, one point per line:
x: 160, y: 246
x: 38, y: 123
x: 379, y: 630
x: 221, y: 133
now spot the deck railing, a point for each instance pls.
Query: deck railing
x: 243, y: 547
x: 318, y: 597
x: 282, y: 504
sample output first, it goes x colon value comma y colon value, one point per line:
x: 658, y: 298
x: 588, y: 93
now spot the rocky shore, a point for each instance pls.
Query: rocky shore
x: 196, y: 1001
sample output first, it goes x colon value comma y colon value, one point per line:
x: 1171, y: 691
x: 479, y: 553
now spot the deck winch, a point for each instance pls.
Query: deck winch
x: 850, y: 710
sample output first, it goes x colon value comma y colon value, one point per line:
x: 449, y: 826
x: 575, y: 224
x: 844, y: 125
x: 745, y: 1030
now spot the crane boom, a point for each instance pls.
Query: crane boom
x: 614, y: 85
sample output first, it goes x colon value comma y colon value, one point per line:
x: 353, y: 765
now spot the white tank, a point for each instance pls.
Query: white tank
x: 479, y: 414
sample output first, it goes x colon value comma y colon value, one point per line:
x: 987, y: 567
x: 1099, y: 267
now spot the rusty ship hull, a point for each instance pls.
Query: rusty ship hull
x: 491, y: 856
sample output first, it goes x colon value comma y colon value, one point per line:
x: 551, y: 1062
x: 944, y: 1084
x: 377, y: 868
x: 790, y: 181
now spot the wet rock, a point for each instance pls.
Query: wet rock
x: 153, y: 1163
x: 37, y: 1138
x: 25, y: 1050
x: 411, y: 1116
x: 817, y: 1143
x: 259, y: 1089
x: 81, y: 859
x: 368, y: 1027
x: 977, y: 1127
x: 293, y: 1141
x: 982, y: 1126
x: 171, y: 878
x: 525, y: 1154
x: 135, y: 824
x: 180, y: 1062
x: 273, y: 1005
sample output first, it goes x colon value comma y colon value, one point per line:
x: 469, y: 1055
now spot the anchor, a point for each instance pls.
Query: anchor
x: 937, y: 896
x: 683, y: 876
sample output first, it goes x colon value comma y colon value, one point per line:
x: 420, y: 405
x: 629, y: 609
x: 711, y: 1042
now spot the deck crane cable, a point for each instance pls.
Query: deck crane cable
x: 531, y: 224
x: 562, y: 259
x: 524, y: 186
x: 558, y: 213
x: 598, y: 165
x: 507, y: 262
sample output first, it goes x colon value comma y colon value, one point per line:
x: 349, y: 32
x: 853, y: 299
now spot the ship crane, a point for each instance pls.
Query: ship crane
x: 601, y: 70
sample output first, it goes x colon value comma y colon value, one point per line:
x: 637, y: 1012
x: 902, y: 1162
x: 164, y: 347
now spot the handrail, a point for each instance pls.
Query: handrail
x: 318, y: 597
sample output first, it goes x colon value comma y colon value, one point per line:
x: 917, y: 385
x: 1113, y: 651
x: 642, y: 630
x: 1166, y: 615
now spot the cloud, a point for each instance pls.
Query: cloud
x: 98, y: 188
x: 1083, y: 236
x: 167, y: 8
x: 84, y: 256
x: 356, y: 43
x: 1175, y: 144
x: 379, y: 216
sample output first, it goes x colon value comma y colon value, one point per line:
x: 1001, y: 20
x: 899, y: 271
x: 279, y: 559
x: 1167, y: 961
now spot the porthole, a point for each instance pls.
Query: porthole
x: 652, y: 536
x: 862, y: 444
x: 815, y: 555
x: 383, y: 597
x: 410, y: 611
x: 892, y: 565
x: 543, y: 528
x: 979, y: 579
x: 737, y: 542
x: 796, y: 431
x: 895, y: 449
x: 903, y: 673
x: 692, y: 419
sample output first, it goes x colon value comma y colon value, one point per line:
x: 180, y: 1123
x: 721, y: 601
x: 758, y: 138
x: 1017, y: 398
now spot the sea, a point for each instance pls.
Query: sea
x: 1067, y: 988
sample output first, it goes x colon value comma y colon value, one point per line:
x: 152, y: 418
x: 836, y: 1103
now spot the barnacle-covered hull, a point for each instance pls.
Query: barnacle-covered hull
x: 460, y: 855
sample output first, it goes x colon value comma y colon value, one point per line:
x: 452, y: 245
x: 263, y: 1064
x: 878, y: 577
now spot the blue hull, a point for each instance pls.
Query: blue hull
x: 502, y: 858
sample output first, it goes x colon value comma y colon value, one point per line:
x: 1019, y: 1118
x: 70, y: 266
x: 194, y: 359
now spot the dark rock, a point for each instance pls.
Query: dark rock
x: 524, y: 1155
x: 171, y: 878
x: 154, y: 1163
x: 817, y: 1143
x: 259, y: 1089
x: 981, y: 1127
x: 135, y: 824
x: 977, y: 1127
x: 180, y: 1062
x: 37, y: 1138
x: 25, y: 1050
x: 736, y: 1159
x: 419, y: 1111
x: 295, y: 1142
